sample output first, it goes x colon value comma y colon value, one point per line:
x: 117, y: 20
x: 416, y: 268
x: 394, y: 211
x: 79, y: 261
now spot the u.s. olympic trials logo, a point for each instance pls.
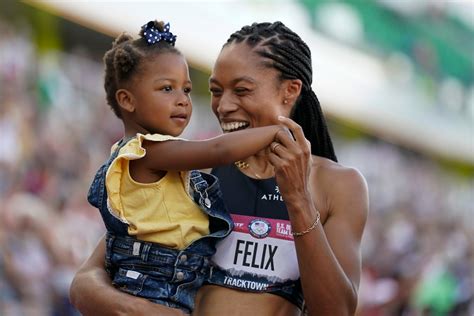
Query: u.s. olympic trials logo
x: 259, y: 228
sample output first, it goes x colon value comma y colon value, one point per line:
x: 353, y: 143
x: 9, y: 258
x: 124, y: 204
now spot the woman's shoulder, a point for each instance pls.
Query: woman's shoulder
x: 330, y: 171
x: 339, y: 183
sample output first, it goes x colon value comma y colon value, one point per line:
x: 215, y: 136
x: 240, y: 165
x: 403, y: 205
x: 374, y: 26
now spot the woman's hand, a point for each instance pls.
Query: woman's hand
x: 291, y: 159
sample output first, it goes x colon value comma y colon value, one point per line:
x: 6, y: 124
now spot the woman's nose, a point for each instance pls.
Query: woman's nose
x: 226, y: 105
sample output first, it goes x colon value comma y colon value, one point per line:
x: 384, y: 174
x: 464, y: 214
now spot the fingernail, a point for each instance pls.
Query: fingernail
x: 281, y: 118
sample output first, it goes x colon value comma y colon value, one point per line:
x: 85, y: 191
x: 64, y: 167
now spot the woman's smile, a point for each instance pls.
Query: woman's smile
x: 233, y: 126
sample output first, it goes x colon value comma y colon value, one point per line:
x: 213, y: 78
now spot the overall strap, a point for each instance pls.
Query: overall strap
x: 120, y: 144
x: 97, y: 195
x: 200, y: 185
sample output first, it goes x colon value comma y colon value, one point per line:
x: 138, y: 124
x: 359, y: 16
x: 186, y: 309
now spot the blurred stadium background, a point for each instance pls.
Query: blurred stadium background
x: 395, y: 78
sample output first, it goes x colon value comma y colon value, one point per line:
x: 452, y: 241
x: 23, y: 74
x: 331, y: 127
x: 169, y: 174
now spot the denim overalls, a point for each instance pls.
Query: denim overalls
x: 160, y: 274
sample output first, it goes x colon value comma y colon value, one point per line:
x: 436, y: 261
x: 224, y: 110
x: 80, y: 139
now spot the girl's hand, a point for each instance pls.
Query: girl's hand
x: 291, y: 159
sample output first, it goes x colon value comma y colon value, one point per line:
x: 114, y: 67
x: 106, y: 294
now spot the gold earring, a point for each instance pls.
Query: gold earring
x: 285, y: 101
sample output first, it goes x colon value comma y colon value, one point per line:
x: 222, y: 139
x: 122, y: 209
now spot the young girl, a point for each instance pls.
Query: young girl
x: 162, y: 221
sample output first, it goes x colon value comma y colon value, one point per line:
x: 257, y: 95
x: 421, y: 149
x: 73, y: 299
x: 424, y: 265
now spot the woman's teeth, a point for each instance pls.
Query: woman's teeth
x: 233, y: 126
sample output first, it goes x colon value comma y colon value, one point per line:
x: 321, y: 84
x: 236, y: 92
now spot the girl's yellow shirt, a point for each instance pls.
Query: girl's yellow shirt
x: 162, y: 212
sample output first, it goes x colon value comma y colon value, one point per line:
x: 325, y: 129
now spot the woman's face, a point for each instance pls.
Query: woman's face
x: 243, y: 92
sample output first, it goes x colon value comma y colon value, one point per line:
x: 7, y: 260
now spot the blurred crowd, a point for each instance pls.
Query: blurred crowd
x: 417, y: 250
x: 56, y: 130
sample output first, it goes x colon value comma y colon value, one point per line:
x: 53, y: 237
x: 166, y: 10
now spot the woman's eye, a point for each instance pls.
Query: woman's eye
x: 241, y: 90
x: 215, y: 91
x: 187, y: 90
x: 167, y: 88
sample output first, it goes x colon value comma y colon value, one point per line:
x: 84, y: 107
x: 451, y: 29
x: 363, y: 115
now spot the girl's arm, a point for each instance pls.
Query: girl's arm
x: 92, y: 293
x: 220, y: 150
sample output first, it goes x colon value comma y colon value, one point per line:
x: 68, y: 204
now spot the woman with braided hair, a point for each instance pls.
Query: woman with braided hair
x: 298, y: 214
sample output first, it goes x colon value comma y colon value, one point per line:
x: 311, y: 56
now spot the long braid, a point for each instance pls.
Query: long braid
x: 289, y: 54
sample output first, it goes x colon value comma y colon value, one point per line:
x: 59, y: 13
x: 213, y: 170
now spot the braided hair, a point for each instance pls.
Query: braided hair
x: 285, y: 51
x: 123, y: 61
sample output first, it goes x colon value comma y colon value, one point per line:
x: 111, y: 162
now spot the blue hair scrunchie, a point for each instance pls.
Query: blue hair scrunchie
x: 152, y: 35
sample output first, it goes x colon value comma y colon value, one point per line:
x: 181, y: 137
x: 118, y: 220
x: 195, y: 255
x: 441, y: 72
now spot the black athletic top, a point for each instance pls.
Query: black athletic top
x: 247, y: 196
x: 259, y: 255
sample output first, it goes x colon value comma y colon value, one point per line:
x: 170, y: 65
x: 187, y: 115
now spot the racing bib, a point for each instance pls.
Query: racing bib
x: 258, y: 255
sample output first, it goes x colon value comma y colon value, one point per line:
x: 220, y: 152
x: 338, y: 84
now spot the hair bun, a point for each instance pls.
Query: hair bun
x: 122, y: 38
x: 124, y: 60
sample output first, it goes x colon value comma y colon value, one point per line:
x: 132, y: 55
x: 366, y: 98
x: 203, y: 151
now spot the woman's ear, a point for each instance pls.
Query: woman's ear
x: 292, y: 90
x: 125, y: 100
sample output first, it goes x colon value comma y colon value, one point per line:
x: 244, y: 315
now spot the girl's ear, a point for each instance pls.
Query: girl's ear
x: 291, y: 91
x: 125, y: 100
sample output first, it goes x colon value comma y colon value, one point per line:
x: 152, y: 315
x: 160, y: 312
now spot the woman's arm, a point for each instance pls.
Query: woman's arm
x: 329, y: 255
x: 220, y: 150
x: 92, y: 293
